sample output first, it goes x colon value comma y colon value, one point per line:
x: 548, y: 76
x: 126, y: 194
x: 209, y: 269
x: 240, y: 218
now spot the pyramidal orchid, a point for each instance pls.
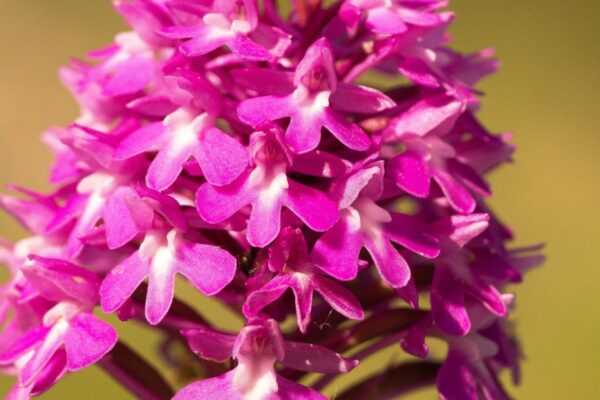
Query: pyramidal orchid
x: 234, y: 143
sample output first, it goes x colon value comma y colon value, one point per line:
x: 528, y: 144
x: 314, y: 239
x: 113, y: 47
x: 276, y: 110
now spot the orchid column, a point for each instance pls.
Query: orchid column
x: 235, y: 143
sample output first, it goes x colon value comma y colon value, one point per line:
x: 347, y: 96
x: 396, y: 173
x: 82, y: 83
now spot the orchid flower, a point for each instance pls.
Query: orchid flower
x: 366, y: 224
x: 308, y: 106
x: 390, y: 16
x: 228, y: 23
x: 267, y: 188
x: 289, y: 259
x: 257, y: 347
x: 159, y: 258
x: 70, y: 337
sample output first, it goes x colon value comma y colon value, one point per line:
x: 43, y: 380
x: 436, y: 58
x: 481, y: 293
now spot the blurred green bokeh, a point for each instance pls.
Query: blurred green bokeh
x: 546, y: 92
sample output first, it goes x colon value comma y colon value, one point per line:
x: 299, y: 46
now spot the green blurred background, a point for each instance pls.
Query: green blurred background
x: 547, y: 92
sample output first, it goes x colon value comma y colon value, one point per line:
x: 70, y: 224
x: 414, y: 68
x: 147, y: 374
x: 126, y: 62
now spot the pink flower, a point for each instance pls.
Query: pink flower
x: 267, y: 188
x: 257, y: 347
x: 289, y: 259
x: 390, y: 17
x: 230, y: 23
x: 366, y: 224
x: 69, y: 337
x: 160, y: 257
x: 308, y: 106
x: 186, y: 132
x: 429, y: 157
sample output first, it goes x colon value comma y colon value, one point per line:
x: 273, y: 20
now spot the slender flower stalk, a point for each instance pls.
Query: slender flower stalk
x: 231, y: 143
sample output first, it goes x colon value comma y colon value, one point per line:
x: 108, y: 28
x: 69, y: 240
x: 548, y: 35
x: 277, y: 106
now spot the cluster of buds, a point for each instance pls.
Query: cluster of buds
x: 230, y: 142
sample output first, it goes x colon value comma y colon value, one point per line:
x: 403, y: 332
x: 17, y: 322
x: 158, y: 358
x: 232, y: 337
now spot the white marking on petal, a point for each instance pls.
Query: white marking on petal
x: 311, y: 103
x: 153, y: 241
x: 61, y: 313
x: 98, y: 182
x: 161, y: 268
x: 255, y: 377
x: 130, y: 43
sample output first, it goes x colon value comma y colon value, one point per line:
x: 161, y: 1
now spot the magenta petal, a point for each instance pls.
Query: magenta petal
x: 455, y: 381
x: 430, y: 115
x: 303, y: 292
x: 122, y: 281
x: 345, y: 131
x: 411, y: 173
x: 385, y: 20
x: 419, y: 72
x: 448, y: 303
x: 259, y: 299
x: 125, y: 216
x: 249, y: 49
x: 165, y: 205
x: 209, y: 344
x: 204, y: 41
x: 59, y: 280
x: 313, y: 358
x: 319, y: 163
x: 34, y: 215
x: 166, y: 166
x: 182, y: 31
x: 461, y: 229
x: 489, y: 296
x: 391, y: 265
x: 359, y: 99
x: 418, y: 18
x: 221, y: 157
x: 351, y: 14
x: 411, y: 233
x: 409, y: 293
x: 303, y: 133
x: 366, y: 182
x: 43, y: 354
x: 208, y: 268
x: 313, y: 207
x: 194, y: 89
x: 469, y: 177
x: 28, y: 341
x: 339, y: 298
x: 130, y: 76
x: 67, y: 213
x: 276, y: 40
x: 49, y: 375
x: 87, y: 341
x: 216, y: 204
x: 153, y: 106
x: 265, y: 221
x: 460, y: 199
x: 90, y: 215
x: 264, y: 81
x: 414, y: 340
x: 217, y: 388
x: 337, y: 251
x: 260, y: 110
x: 289, y: 390
x: 148, y: 138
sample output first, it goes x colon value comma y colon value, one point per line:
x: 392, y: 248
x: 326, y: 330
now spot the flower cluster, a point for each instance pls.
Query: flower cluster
x: 231, y: 143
